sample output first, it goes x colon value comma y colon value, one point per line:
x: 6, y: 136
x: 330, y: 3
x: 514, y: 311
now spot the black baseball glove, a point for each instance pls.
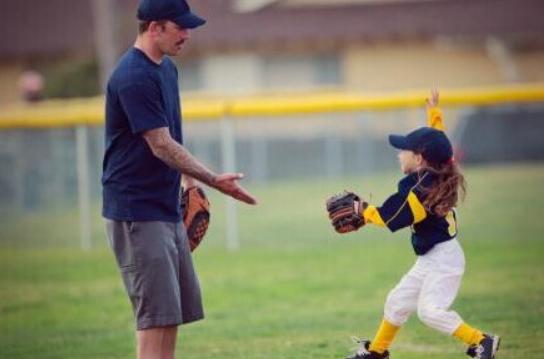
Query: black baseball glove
x: 346, y: 211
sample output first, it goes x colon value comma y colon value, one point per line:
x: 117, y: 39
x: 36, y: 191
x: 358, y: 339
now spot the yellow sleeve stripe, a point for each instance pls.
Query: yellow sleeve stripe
x: 434, y: 119
x: 418, y: 211
x: 371, y: 215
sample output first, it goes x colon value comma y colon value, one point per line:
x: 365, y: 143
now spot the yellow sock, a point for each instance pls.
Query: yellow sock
x: 468, y: 334
x: 384, y: 337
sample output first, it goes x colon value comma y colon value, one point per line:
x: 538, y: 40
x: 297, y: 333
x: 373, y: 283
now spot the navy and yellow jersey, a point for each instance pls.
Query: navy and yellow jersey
x: 405, y: 208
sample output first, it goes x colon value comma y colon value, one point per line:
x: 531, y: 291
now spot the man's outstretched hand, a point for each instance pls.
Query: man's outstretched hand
x: 228, y: 184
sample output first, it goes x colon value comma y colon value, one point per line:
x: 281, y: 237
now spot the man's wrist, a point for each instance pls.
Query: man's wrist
x: 211, y: 180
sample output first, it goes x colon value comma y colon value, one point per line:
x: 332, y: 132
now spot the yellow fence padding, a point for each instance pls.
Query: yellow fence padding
x: 69, y: 113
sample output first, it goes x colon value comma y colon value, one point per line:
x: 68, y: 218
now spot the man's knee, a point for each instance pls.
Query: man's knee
x: 157, y: 343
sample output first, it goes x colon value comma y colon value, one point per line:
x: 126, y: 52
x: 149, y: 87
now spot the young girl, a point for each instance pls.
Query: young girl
x: 425, y: 201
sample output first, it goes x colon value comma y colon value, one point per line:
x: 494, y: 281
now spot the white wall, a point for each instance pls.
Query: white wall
x: 248, y: 73
x: 231, y: 73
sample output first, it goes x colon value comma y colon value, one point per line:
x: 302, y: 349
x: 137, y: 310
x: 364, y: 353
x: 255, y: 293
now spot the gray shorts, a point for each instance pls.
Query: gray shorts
x: 157, y: 268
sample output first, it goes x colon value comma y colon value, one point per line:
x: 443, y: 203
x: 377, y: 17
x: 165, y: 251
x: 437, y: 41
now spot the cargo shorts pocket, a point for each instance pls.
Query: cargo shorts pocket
x: 134, y: 286
x: 122, y: 236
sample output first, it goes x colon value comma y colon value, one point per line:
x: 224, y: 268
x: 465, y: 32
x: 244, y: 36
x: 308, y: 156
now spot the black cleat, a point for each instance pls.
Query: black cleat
x: 364, y: 353
x: 486, y: 349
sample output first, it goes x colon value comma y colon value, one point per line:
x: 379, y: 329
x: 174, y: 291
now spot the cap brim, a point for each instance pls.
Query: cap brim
x: 399, y: 142
x: 189, y: 21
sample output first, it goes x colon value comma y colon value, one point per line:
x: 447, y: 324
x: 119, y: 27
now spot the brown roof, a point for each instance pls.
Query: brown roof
x: 30, y: 27
x: 54, y: 27
x: 367, y: 22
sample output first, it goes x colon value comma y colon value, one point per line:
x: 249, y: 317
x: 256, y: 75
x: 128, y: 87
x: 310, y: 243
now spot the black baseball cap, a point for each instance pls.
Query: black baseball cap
x: 432, y: 144
x: 177, y: 11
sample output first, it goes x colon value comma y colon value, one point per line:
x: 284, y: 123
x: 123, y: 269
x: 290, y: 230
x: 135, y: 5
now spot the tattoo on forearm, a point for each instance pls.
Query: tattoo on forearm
x: 178, y: 157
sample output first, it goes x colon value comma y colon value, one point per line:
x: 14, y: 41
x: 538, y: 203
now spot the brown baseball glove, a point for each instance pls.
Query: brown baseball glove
x: 196, y: 214
x: 346, y: 212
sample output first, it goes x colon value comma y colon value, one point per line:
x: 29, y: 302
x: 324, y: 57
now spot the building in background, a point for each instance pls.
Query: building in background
x: 251, y: 46
x: 367, y: 44
x: 254, y: 45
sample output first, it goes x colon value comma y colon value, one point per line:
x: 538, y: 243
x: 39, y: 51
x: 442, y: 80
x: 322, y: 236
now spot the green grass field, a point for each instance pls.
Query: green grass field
x: 295, y: 289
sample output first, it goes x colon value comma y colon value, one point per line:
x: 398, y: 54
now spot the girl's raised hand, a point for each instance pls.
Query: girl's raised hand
x: 433, y: 100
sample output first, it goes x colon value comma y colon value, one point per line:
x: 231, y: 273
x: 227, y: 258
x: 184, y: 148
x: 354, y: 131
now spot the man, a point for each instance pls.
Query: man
x: 143, y: 165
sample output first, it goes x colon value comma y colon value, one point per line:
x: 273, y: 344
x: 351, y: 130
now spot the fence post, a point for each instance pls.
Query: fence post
x: 17, y: 144
x: 258, y: 159
x: 228, y: 156
x: 84, y: 194
x: 333, y: 156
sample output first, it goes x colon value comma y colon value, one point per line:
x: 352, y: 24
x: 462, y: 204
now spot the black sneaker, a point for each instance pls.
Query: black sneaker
x: 486, y: 349
x: 364, y: 353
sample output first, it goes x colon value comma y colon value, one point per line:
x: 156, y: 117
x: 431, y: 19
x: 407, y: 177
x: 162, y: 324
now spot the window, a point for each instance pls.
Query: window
x: 301, y: 71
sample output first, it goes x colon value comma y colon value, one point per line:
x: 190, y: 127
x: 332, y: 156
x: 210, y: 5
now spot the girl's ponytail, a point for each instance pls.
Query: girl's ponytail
x: 449, y: 187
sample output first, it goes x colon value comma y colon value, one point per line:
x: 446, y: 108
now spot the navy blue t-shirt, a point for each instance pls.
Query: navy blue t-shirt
x: 141, y: 95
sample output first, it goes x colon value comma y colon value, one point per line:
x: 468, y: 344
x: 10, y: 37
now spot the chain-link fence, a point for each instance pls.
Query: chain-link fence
x: 50, y: 178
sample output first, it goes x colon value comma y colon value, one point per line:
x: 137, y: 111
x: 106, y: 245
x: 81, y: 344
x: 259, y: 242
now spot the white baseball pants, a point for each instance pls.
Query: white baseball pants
x: 430, y: 287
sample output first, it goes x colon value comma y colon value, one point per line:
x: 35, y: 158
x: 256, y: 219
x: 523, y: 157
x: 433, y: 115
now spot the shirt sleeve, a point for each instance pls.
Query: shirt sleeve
x: 400, y: 210
x: 435, y: 119
x: 143, y: 106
